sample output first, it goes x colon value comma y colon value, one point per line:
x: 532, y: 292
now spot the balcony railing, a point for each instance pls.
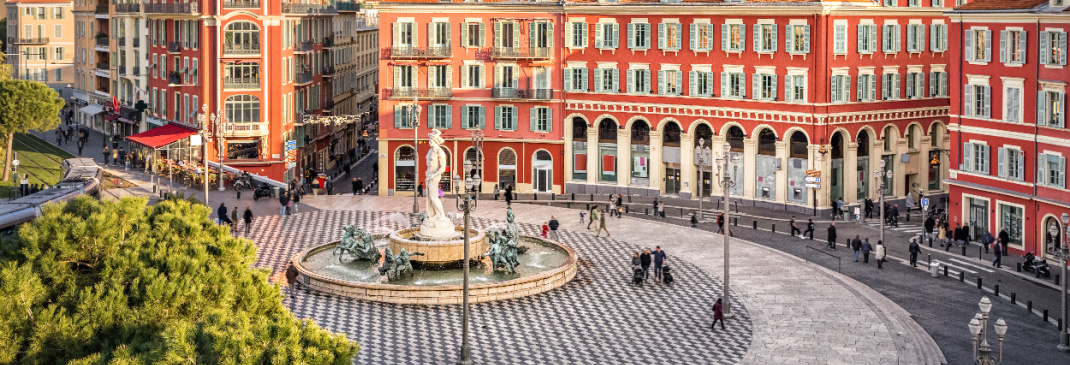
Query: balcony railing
x: 122, y: 71
x: 172, y: 8
x: 245, y: 129
x: 238, y: 48
x: 348, y: 6
x: 38, y: 40
x: 174, y: 79
x: 122, y: 41
x: 303, y: 78
x: 137, y: 42
x: 241, y: 4
x: 520, y: 52
x: 417, y: 52
x: 328, y: 71
x: 128, y: 8
x: 409, y: 93
x: 102, y: 9
x: 174, y: 47
x: 103, y: 66
x: 328, y: 42
x: 303, y: 47
x: 102, y: 42
x: 137, y: 70
x: 515, y: 93
x: 241, y: 82
x: 309, y: 9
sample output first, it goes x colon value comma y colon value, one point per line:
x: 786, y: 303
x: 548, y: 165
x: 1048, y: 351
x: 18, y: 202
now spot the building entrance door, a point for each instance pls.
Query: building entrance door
x: 978, y: 218
x: 672, y: 180
x: 542, y: 179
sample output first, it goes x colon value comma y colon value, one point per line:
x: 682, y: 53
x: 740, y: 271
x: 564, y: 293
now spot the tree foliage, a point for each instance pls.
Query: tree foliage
x: 95, y: 282
x: 25, y: 106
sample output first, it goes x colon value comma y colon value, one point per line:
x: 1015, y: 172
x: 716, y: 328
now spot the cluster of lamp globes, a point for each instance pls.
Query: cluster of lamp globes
x: 470, y: 182
x: 978, y: 324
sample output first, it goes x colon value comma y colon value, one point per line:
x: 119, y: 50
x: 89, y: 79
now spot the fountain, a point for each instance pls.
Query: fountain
x: 426, y: 268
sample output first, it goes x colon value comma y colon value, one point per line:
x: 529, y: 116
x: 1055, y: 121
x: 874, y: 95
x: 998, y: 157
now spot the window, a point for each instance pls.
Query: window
x: 890, y: 86
x: 638, y: 36
x: 867, y: 38
x: 938, y: 3
x: 733, y: 37
x: 472, y: 76
x: 473, y: 34
x: 404, y: 34
x: 890, y: 40
x: 439, y: 76
x: 978, y: 45
x: 1011, y: 163
x: 840, y: 32
x: 1051, y: 171
x: 58, y: 31
x: 402, y: 117
x: 506, y: 34
x: 1053, y: 48
x: 1012, y: 47
x: 606, y: 80
x: 765, y: 37
x: 241, y: 37
x: 795, y: 88
x: 975, y: 157
x: 638, y: 81
x: 541, y: 118
x: 1012, y: 104
x: 938, y: 84
x: 57, y: 53
x: 841, y: 88
x: 915, y: 85
x: 59, y: 75
x: 404, y: 77
x: 472, y: 117
x: 576, y: 79
x: 669, y: 37
x: 701, y: 83
x: 57, y: 13
x: 1051, y: 109
x: 541, y: 35
x: 797, y: 38
x: 243, y: 109
x: 915, y: 37
x: 505, y: 118
x: 1011, y: 219
x: 506, y: 77
x: 702, y: 37
x: 606, y: 35
x: 438, y: 34
x: 765, y: 86
x: 669, y: 82
x: 439, y: 116
x: 867, y: 87
x: 576, y: 33
x: 978, y: 101
x: 733, y: 85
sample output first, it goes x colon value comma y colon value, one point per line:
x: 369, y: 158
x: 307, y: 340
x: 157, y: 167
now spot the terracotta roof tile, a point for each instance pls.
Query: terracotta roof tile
x: 1001, y: 4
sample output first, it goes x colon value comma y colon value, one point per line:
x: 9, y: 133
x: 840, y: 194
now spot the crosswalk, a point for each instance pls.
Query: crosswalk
x: 905, y: 228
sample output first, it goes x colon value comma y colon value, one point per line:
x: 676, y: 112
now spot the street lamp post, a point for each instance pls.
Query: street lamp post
x: 701, y: 156
x: 726, y: 184
x: 414, y: 118
x: 982, y: 352
x: 219, y: 122
x: 205, y: 135
x: 880, y: 174
x: 1064, y: 254
x: 467, y: 202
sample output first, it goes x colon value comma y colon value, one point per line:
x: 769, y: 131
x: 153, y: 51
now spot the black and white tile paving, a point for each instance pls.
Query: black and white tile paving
x: 598, y: 318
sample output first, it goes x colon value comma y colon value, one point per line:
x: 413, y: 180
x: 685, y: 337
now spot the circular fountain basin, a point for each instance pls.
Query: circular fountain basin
x: 437, y: 251
x: 545, y: 266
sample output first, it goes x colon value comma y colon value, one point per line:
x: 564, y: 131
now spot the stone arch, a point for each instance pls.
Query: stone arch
x: 507, y: 168
x: 788, y: 133
x: 665, y: 121
x: 602, y: 117
x: 868, y: 129
x: 694, y: 126
x: 628, y: 124
x: 846, y: 134
x: 754, y: 132
x: 914, y: 141
x: 885, y: 127
x: 726, y: 126
x: 235, y: 14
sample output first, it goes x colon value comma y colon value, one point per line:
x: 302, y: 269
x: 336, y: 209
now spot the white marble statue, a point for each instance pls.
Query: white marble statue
x: 437, y: 224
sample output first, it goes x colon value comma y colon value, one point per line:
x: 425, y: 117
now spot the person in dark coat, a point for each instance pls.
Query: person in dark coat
x: 895, y: 215
x: 636, y: 263
x: 966, y: 234
x: 222, y: 213
x: 508, y: 195
x: 809, y: 228
x: 832, y: 235
x: 284, y: 201
x: 694, y: 220
x: 930, y: 224
x: 866, y: 249
x: 291, y: 279
x: 998, y: 252
x: 718, y: 314
x: 1004, y: 237
x: 248, y: 218
x: 329, y: 185
x: 107, y: 155
x: 869, y: 208
x: 794, y: 228
x: 914, y: 251
x: 554, y: 225
x: 296, y: 199
x: 358, y: 186
x: 644, y: 262
x: 659, y: 259
x: 856, y: 245
x: 720, y: 223
x: 987, y: 239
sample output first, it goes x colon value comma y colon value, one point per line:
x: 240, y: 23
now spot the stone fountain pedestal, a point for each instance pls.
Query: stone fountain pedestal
x: 438, y: 252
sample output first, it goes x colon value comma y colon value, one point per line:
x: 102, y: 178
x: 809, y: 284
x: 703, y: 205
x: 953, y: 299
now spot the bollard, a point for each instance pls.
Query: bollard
x: 646, y: 211
x: 568, y: 205
x: 1029, y: 306
x: 534, y: 196
x: 735, y: 221
x: 626, y: 209
x: 934, y: 270
x: 1019, y: 267
x: 945, y: 270
x: 773, y: 229
x: 573, y: 196
x: 589, y: 207
x: 1036, y: 274
x: 962, y: 276
x: 1057, y: 279
x: 930, y: 243
x: 997, y: 290
x: 553, y: 196
x: 978, y: 283
x: 1014, y: 298
x: 681, y: 212
x: 979, y: 257
x: 963, y: 250
x: 1045, y: 315
x: 754, y: 225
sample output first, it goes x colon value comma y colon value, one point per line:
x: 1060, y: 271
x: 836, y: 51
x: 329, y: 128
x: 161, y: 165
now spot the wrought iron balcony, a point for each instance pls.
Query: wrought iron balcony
x: 172, y: 8
x: 122, y: 41
x: 241, y: 82
x: 418, y: 52
x: 241, y: 4
x: 328, y: 42
x: 409, y: 93
x: 38, y: 40
x: 245, y: 129
x: 137, y: 71
x: 122, y: 71
x: 328, y: 71
x: 175, y: 79
x: 102, y: 42
x: 128, y: 8
x: 524, y: 94
x: 303, y: 47
x: 102, y: 9
x: 520, y: 52
x: 239, y: 48
x: 348, y: 6
x: 309, y: 9
x: 303, y: 78
x: 174, y: 47
x: 103, y: 66
x: 137, y: 42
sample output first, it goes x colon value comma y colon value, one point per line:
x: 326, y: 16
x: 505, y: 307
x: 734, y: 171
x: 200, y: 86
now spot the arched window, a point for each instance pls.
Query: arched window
x: 799, y: 143
x: 889, y: 138
x: 735, y: 138
x: 913, y: 136
x: 705, y: 134
x: 671, y: 135
x: 863, y: 143
x: 607, y: 131
x: 506, y: 168
x: 579, y: 129
x: 241, y: 38
x: 767, y: 142
x: 243, y: 109
x: 640, y: 133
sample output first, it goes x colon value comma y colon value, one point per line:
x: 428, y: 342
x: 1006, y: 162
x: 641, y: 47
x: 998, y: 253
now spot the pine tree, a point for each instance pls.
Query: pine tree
x: 94, y: 282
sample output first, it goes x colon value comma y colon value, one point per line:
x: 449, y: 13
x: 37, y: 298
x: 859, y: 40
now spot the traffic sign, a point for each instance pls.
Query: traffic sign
x: 814, y: 186
x: 813, y: 173
x: 925, y: 203
x: 813, y: 179
x: 15, y: 162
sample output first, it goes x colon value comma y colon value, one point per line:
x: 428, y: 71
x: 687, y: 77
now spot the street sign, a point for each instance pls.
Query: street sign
x: 15, y: 162
x: 813, y: 179
x: 814, y: 186
x: 290, y: 149
x: 814, y: 173
x: 925, y: 203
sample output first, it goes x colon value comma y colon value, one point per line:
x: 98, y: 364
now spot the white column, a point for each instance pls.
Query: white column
x: 687, y: 165
x: 923, y: 164
x: 782, y: 174
x: 750, y: 149
x: 850, y: 174
x: 592, y: 155
x: 624, y: 153
x: 656, y: 168
x: 567, y: 155
x: 717, y: 151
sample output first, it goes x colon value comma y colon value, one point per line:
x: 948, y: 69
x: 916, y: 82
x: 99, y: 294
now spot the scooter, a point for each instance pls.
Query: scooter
x: 262, y: 191
x: 1031, y: 265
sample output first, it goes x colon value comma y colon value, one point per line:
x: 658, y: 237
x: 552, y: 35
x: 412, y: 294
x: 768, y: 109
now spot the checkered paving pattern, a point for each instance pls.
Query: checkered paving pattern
x: 598, y: 318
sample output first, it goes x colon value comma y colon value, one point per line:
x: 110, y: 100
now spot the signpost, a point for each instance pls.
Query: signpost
x: 813, y: 186
x: 813, y: 180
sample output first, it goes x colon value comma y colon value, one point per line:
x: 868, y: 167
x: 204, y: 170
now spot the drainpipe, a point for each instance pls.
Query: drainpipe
x: 1036, y: 128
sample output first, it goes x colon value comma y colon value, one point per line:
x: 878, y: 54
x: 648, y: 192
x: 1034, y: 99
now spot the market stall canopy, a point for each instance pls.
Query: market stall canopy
x: 161, y: 136
x: 92, y: 109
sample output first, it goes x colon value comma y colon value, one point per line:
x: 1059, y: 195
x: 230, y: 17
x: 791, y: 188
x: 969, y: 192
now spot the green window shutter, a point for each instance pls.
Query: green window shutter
x: 497, y: 34
x: 988, y: 101
x: 646, y: 81
x: 967, y: 159
x: 967, y: 107
x: 532, y: 33
x: 631, y: 81
x: 550, y: 35
x: 481, y: 115
x: 911, y: 32
x: 709, y: 37
x: 1042, y: 169
x: 774, y: 91
x: 631, y: 36
x: 861, y: 31
x: 776, y: 37
x: 534, y: 112
x: 482, y: 35
x: 872, y: 87
x: 448, y: 35
x: 449, y: 116
x: 464, y: 116
x: 895, y: 87
x: 709, y: 84
x: 398, y: 117
x: 789, y: 38
x: 742, y: 37
x: 806, y: 38
x: 933, y: 30
x: 599, y: 36
x: 933, y: 81
x: 585, y: 78
x: 988, y: 46
x: 661, y: 82
x: 1045, y: 48
x: 616, y: 35
x: 498, y: 117
x: 1002, y: 162
x: 569, y: 34
x: 968, y: 45
x: 549, y: 120
x: 616, y: 81
x: 1062, y: 47
x: 872, y: 46
x: 862, y: 87
x: 679, y: 82
x: 758, y: 38
x: 742, y: 86
x: 464, y: 35
x: 691, y: 83
x: 567, y: 80
x: 598, y: 80
x: 910, y: 85
x: 693, y: 40
x: 661, y: 36
x: 757, y: 85
x: 921, y: 38
x: 679, y: 35
x: 1021, y: 165
x: 397, y: 34
x: 836, y: 87
x: 516, y: 35
x: 724, y: 84
x: 846, y: 94
x: 432, y: 115
x: 1062, y: 171
x: 724, y: 37
x: 787, y: 86
x: 515, y: 119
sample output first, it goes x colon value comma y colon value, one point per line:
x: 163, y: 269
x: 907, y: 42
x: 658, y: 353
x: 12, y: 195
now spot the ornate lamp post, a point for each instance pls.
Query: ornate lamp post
x: 702, y: 155
x: 880, y: 174
x: 205, y: 135
x: 1063, y: 255
x: 467, y: 201
x: 982, y: 353
x: 219, y: 123
x: 414, y: 122
x: 726, y: 184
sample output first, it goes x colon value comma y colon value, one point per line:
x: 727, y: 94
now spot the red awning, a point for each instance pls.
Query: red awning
x: 161, y: 136
x: 111, y: 117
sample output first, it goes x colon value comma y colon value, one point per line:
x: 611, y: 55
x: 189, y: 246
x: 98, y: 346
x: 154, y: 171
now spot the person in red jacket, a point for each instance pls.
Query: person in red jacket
x: 718, y: 314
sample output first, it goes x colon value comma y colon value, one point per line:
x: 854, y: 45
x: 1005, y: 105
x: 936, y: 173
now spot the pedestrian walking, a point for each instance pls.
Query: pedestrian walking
x: 554, y: 224
x: 80, y: 144
x: 107, y: 154
x: 284, y: 203
x: 914, y: 251
x: 602, y: 224
x: 718, y: 315
x: 582, y: 213
x: 930, y: 224
x: 248, y: 218
x: 620, y: 205
x: 869, y: 208
x: 636, y: 262
x: 1005, y: 238
x: 987, y: 239
x: 839, y: 208
x: 866, y: 249
x: 856, y: 245
x: 293, y: 202
x: 694, y: 220
x: 221, y: 213
x: 115, y: 156
x: 508, y: 195
x: 594, y: 217
x: 59, y: 136
x: 832, y: 235
x: 809, y: 229
x: 330, y: 185
x: 720, y: 223
x: 644, y: 262
x: 998, y: 252
x: 359, y: 186
x: 895, y: 215
x: 612, y: 206
x: 942, y: 234
x: 420, y: 190
x: 545, y: 230
x: 880, y: 252
x: 659, y: 259
x: 661, y: 210
x: 794, y: 228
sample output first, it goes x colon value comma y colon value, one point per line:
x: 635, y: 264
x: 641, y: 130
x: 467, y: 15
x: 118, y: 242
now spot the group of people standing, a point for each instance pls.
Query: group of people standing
x: 247, y: 217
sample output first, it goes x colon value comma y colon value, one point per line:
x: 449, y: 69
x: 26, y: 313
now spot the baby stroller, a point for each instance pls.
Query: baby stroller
x: 638, y: 278
x: 666, y: 275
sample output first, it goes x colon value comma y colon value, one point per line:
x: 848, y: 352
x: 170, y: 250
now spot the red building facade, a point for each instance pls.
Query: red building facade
x: 639, y: 86
x: 1009, y: 121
